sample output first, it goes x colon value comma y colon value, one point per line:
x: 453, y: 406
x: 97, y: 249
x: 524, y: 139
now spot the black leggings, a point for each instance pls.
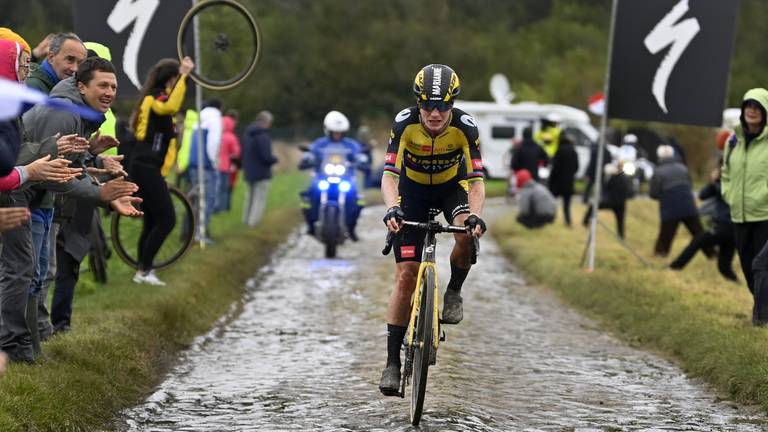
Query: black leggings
x: 159, y: 216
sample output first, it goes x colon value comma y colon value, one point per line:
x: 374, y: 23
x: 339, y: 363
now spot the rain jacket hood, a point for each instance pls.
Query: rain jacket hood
x: 759, y: 95
x: 9, y: 59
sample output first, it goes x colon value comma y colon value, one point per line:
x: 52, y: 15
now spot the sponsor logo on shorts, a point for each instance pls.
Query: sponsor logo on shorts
x: 477, y: 164
x: 390, y: 158
x: 408, y: 251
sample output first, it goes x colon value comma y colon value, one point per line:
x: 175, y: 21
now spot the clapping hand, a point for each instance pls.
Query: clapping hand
x: 100, y: 143
x: 56, y: 170
x: 71, y: 144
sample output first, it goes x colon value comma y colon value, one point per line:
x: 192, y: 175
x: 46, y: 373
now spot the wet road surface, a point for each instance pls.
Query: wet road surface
x: 307, y: 351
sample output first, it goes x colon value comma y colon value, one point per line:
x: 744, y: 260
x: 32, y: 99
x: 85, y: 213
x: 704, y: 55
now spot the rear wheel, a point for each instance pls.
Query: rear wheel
x: 423, y: 345
x: 126, y: 232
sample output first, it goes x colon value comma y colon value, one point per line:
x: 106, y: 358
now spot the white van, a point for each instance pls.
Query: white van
x: 501, y: 123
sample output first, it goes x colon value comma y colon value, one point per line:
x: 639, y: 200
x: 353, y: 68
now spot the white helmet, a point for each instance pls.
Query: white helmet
x: 629, y: 139
x: 553, y: 118
x: 335, y: 122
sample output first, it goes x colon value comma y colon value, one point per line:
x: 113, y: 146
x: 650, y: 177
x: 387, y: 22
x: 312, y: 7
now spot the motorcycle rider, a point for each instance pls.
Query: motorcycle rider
x: 335, y: 125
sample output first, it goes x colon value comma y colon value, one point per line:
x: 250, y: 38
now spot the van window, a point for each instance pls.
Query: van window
x: 503, y: 132
x: 580, y: 139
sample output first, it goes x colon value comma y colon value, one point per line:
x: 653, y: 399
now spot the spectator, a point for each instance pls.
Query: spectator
x: 153, y: 156
x: 528, y: 155
x: 536, y: 206
x: 367, y: 143
x: 228, y: 153
x: 93, y: 88
x: 211, y: 125
x: 743, y: 186
x: 671, y: 186
x: 257, y: 162
x: 65, y: 53
x: 565, y: 164
x: 721, y: 234
x: 591, y: 173
x: 617, y: 188
x: 548, y: 136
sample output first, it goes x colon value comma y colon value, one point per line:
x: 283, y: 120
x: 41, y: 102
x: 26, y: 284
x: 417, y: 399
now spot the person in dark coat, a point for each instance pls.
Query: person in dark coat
x: 591, y: 173
x: 565, y: 164
x: 617, y: 189
x: 528, y: 155
x: 721, y: 234
x: 257, y: 161
x: 671, y: 186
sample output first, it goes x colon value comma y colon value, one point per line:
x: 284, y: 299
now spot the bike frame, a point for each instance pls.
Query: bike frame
x: 427, y: 260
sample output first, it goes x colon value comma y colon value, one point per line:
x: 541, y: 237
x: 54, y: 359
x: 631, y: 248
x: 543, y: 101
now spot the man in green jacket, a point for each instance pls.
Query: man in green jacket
x: 65, y: 53
x: 744, y: 183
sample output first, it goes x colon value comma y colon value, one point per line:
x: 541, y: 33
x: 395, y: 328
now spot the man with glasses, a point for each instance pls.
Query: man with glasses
x: 433, y: 162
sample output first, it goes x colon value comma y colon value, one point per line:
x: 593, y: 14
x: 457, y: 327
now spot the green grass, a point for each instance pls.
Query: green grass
x: 693, y: 317
x: 125, y: 336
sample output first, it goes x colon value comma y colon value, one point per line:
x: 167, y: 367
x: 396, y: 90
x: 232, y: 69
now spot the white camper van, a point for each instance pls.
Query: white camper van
x: 502, y: 123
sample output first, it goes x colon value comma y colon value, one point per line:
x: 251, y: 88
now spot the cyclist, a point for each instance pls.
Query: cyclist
x: 336, y: 126
x: 153, y: 156
x: 433, y: 161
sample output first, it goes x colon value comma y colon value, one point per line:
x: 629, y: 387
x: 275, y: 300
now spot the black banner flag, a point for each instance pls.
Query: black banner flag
x: 137, y: 32
x: 670, y: 60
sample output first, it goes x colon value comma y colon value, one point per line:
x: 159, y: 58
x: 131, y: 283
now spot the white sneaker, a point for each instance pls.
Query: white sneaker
x: 150, y: 278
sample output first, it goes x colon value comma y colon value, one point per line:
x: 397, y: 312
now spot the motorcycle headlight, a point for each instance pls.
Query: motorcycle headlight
x: 323, y: 185
x: 334, y: 169
x: 629, y: 169
x: 345, y: 186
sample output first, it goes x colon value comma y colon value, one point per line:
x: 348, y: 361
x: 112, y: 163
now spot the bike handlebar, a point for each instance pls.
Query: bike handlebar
x: 435, y: 227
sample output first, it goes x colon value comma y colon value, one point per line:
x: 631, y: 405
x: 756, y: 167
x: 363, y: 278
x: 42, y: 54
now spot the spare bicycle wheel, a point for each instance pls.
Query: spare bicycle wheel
x: 229, y: 39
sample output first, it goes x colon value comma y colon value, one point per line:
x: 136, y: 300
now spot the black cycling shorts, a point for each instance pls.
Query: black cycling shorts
x: 417, y: 201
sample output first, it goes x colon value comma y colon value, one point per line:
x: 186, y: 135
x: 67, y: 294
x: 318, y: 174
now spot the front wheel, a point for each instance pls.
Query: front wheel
x: 423, y: 345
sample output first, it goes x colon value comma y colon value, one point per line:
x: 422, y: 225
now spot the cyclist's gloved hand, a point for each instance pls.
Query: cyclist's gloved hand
x: 474, y: 221
x: 396, y: 213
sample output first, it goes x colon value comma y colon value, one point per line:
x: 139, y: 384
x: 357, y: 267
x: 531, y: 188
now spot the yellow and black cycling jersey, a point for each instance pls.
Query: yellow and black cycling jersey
x: 156, y: 128
x: 453, y: 155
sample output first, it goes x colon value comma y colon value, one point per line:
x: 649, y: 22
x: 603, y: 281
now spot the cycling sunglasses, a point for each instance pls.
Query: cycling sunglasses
x: 441, y: 106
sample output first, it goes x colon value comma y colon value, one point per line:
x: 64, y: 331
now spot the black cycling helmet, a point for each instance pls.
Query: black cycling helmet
x: 436, y: 86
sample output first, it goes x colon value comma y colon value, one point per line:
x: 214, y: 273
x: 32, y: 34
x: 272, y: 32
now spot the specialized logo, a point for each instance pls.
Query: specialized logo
x: 430, y: 249
x: 667, y: 33
x: 403, y: 115
x: 468, y: 120
x: 408, y: 251
x: 437, y: 79
x: 124, y: 13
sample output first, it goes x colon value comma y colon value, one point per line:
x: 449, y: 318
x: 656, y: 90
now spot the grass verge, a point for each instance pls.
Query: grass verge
x: 693, y: 317
x: 126, y: 336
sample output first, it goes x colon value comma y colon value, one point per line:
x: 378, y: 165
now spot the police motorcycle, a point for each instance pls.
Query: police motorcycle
x: 334, y: 190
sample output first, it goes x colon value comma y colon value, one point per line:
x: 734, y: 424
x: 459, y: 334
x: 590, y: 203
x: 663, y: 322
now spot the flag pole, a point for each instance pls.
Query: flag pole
x: 601, y: 144
x: 201, y: 234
